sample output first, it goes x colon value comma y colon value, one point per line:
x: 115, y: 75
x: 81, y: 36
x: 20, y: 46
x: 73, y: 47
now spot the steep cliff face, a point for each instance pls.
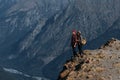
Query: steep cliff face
x: 99, y: 64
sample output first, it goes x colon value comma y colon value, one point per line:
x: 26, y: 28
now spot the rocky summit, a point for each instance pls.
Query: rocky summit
x: 99, y: 64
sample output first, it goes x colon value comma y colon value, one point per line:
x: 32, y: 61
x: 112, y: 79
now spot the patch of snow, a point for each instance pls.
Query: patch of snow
x: 10, y: 70
x: 48, y: 59
x: 15, y: 72
x: 40, y: 78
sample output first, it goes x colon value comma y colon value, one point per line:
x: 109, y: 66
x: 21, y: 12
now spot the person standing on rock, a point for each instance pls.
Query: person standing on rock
x: 79, y: 44
x: 74, y: 42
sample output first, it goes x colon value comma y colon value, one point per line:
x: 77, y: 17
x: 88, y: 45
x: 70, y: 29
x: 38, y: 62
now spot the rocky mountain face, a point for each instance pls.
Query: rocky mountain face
x: 21, y: 22
x: 113, y: 31
x: 35, y: 34
x: 99, y: 64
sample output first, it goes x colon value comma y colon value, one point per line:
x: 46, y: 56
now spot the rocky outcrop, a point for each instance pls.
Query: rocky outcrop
x: 99, y: 64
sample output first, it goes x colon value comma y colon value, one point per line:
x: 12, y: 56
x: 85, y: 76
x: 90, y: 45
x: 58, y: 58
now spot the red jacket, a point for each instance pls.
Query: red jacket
x: 73, y: 40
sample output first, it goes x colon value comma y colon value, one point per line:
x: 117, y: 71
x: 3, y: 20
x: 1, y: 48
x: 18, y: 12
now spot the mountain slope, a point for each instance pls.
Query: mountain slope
x: 20, y: 24
x: 113, y: 31
x: 99, y: 64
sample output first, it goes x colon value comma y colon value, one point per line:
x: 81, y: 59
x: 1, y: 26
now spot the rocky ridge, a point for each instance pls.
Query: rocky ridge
x: 99, y: 64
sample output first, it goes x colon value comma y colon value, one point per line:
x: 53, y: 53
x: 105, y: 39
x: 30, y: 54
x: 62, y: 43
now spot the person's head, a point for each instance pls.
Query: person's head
x: 74, y: 32
x: 78, y: 33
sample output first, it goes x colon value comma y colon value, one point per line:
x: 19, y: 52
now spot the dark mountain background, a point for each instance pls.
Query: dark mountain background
x: 35, y: 34
x: 4, y: 75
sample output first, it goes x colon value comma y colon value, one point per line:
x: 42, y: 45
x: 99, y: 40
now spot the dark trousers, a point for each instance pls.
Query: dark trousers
x: 74, y: 51
x: 80, y: 49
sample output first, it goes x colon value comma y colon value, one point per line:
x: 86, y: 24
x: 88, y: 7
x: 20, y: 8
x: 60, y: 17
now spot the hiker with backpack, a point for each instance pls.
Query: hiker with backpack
x: 79, y: 42
x: 74, y: 42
